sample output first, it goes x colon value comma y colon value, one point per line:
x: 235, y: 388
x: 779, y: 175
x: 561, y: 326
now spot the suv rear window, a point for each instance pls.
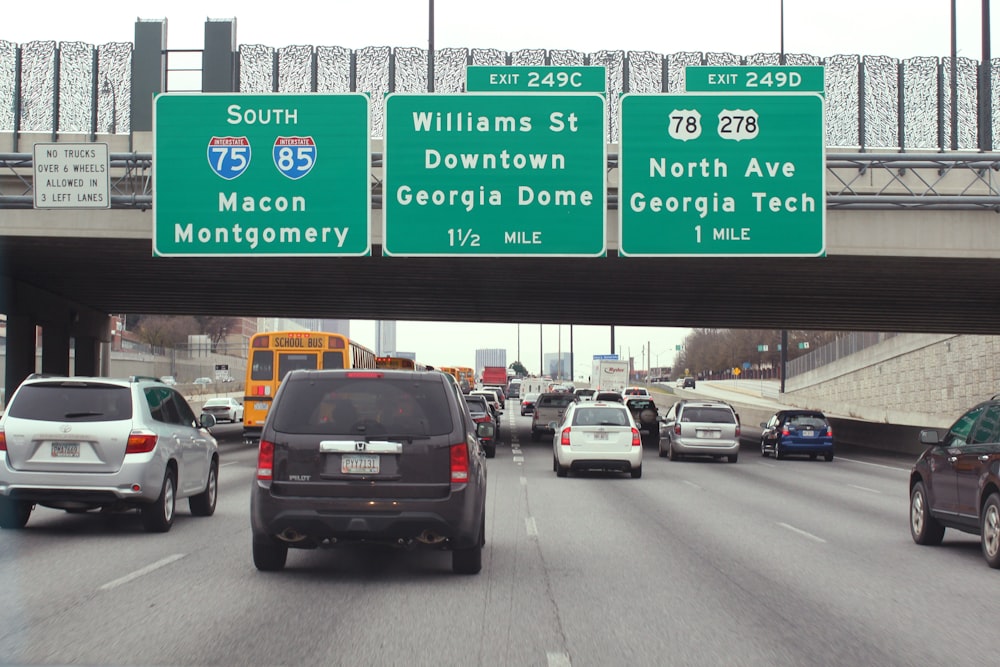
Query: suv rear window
x: 340, y: 405
x: 72, y: 402
x: 806, y: 421
x: 600, y: 416
x: 560, y: 401
x: 708, y: 415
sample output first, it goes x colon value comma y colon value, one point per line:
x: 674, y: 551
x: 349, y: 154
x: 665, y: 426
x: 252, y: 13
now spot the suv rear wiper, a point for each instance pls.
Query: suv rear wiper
x: 72, y: 415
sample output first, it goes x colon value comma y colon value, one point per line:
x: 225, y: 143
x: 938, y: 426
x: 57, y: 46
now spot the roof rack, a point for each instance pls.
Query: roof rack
x: 138, y: 378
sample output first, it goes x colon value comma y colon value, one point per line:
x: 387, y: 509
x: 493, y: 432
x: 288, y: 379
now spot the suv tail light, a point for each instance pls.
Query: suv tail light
x: 784, y: 430
x: 636, y: 439
x: 564, y: 439
x: 265, y: 461
x: 459, y: 463
x: 3, y: 441
x: 140, y: 442
x: 737, y: 431
x: 829, y: 432
x: 677, y: 428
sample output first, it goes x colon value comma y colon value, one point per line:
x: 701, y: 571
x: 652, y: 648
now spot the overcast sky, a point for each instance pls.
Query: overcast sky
x: 897, y: 28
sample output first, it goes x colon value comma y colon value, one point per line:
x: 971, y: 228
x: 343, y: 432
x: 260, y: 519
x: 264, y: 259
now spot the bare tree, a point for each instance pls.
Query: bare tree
x: 166, y: 331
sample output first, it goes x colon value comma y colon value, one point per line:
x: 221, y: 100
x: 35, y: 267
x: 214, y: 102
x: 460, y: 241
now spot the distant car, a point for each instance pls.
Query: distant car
x: 646, y: 416
x: 597, y: 436
x: 701, y: 428
x: 203, y: 381
x: 955, y: 482
x: 636, y: 391
x: 491, y: 396
x: 549, y: 410
x: 528, y: 403
x: 482, y: 412
x: 514, y: 389
x: 85, y: 443
x: 801, y: 432
x: 609, y: 396
x: 585, y: 394
x: 380, y: 457
x: 169, y: 380
x: 228, y: 409
x: 686, y: 383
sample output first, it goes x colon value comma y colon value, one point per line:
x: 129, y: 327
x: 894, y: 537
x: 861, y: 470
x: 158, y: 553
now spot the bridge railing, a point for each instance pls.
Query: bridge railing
x: 873, y: 103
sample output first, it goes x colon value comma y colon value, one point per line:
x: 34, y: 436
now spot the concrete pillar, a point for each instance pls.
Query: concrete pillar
x: 148, y: 71
x: 55, y: 350
x: 88, y: 356
x: 218, y: 64
x: 20, y: 351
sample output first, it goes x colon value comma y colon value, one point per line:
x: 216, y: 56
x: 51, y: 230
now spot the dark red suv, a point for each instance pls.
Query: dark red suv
x: 956, y: 482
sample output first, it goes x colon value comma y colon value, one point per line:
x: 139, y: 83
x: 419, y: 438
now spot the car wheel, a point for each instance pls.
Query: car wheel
x: 990, y: 530
x: 733, y: 458
x: 470, y: 561
x: 491, y: 450
x: 671, y: 453
x: 268, y: 556
x: 636, y: 472
x: 203, y: 504
x: 158, y: 516
x: 763, y: 450
x: 561, y: 471
x: 14, y: 513
x: 828, y: 456
x: 778, y: 453
x: 924, y: 528
x: 659, y: 449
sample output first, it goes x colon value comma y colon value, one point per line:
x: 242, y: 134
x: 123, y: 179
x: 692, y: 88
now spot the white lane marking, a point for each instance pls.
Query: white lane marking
x: 765, y: 463
x: 558, y: 659
x: 864, y: 488
x: 142, y: 572
x: 691, y: 484
x: 519, y: 460
x: 231, y: 463
x: 529, y: 524
x: 869, y: 463
x: 801, y: 532
x: 524, y: 481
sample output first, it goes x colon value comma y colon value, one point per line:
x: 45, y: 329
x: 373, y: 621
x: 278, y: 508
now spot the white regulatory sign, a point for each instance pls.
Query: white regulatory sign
x: 72, y: 176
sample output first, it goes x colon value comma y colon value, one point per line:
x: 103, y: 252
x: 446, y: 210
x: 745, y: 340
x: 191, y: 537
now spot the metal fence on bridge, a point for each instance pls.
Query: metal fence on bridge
x: 872, y: 102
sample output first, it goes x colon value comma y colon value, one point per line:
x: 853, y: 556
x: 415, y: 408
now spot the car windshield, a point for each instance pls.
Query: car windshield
x: 363, y: 406
x: 806, y: 421
x: 72, y: 402
x: 557, y: 401
x: 600, y: 416
x: 641, y: 404
x: 708, y: 415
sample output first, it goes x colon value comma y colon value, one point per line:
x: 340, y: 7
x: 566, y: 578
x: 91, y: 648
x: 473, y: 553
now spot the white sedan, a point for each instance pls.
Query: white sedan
x: 597, y: 435
x: 228, y: 409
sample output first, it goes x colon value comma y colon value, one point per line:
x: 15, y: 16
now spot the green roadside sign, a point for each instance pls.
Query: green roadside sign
x: 261, y: 175
x: 494, y: 175
x: 739, y: 174
x: 541, y: 79
x: 755, y: 79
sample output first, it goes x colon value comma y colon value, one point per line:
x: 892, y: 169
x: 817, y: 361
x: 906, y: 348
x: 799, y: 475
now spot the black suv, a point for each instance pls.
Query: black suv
x: 378, y: 457
x: 956, y: 481
x: 647, y: 418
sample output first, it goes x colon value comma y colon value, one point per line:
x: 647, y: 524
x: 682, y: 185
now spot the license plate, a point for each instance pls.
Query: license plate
x: 808, y: 434
x: 359, y: 464
x: 261, y: 405
x: 709, y: 434
x: 66, y: 449
x: 600, y: 436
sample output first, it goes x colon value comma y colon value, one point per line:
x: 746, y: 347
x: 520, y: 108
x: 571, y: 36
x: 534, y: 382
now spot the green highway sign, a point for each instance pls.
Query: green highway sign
x: 494, y: 175
x: 739, y: 174
x: 541, y: 79
x: 755, y: 79
x: 261, y: 174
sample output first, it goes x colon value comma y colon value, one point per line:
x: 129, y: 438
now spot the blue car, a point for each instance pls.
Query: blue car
x: 797, y: 432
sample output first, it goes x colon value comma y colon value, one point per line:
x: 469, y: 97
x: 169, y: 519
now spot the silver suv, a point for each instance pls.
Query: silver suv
x: 701, y: 428
x: 83, y: 443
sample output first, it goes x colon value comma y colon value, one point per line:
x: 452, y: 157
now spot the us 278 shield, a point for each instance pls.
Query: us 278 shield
x: 229, y: 156
x: 294, y: 156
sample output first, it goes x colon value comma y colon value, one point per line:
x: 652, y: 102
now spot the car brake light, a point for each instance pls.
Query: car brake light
x: 365, y: 375
x: 3, y: 441
x: 677, y: 428
x: 459, y: 463
x: 140, y: 442
x: 784, y: 431
x: 636, y: 440
x: 829, y: 432
x: 564, y: 439
x: 737, y: 431
x: 265, y: 460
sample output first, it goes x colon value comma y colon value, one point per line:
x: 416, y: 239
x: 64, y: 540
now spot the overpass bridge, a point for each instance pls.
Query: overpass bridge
x: 912, y: 197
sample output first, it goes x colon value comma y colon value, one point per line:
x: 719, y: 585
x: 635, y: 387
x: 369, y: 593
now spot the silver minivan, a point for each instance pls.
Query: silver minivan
x: 701, y: 428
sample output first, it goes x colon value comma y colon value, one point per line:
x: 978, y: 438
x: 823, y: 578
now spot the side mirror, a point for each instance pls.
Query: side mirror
x: 486, y: 430
x: 930, y: 437
x: 207, y: 420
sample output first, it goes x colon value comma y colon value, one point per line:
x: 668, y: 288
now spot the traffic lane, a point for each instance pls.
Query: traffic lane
x: 753, y: 563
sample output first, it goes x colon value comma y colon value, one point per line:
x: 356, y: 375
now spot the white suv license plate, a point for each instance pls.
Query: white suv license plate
x: 708, y: 434
x: 600, y: 435
x: 359, y: 464
x: 65, y: 450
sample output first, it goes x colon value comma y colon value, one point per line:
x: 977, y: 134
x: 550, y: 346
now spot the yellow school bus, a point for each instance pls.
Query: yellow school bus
x: 273, y: 354
x: 401, y: 363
